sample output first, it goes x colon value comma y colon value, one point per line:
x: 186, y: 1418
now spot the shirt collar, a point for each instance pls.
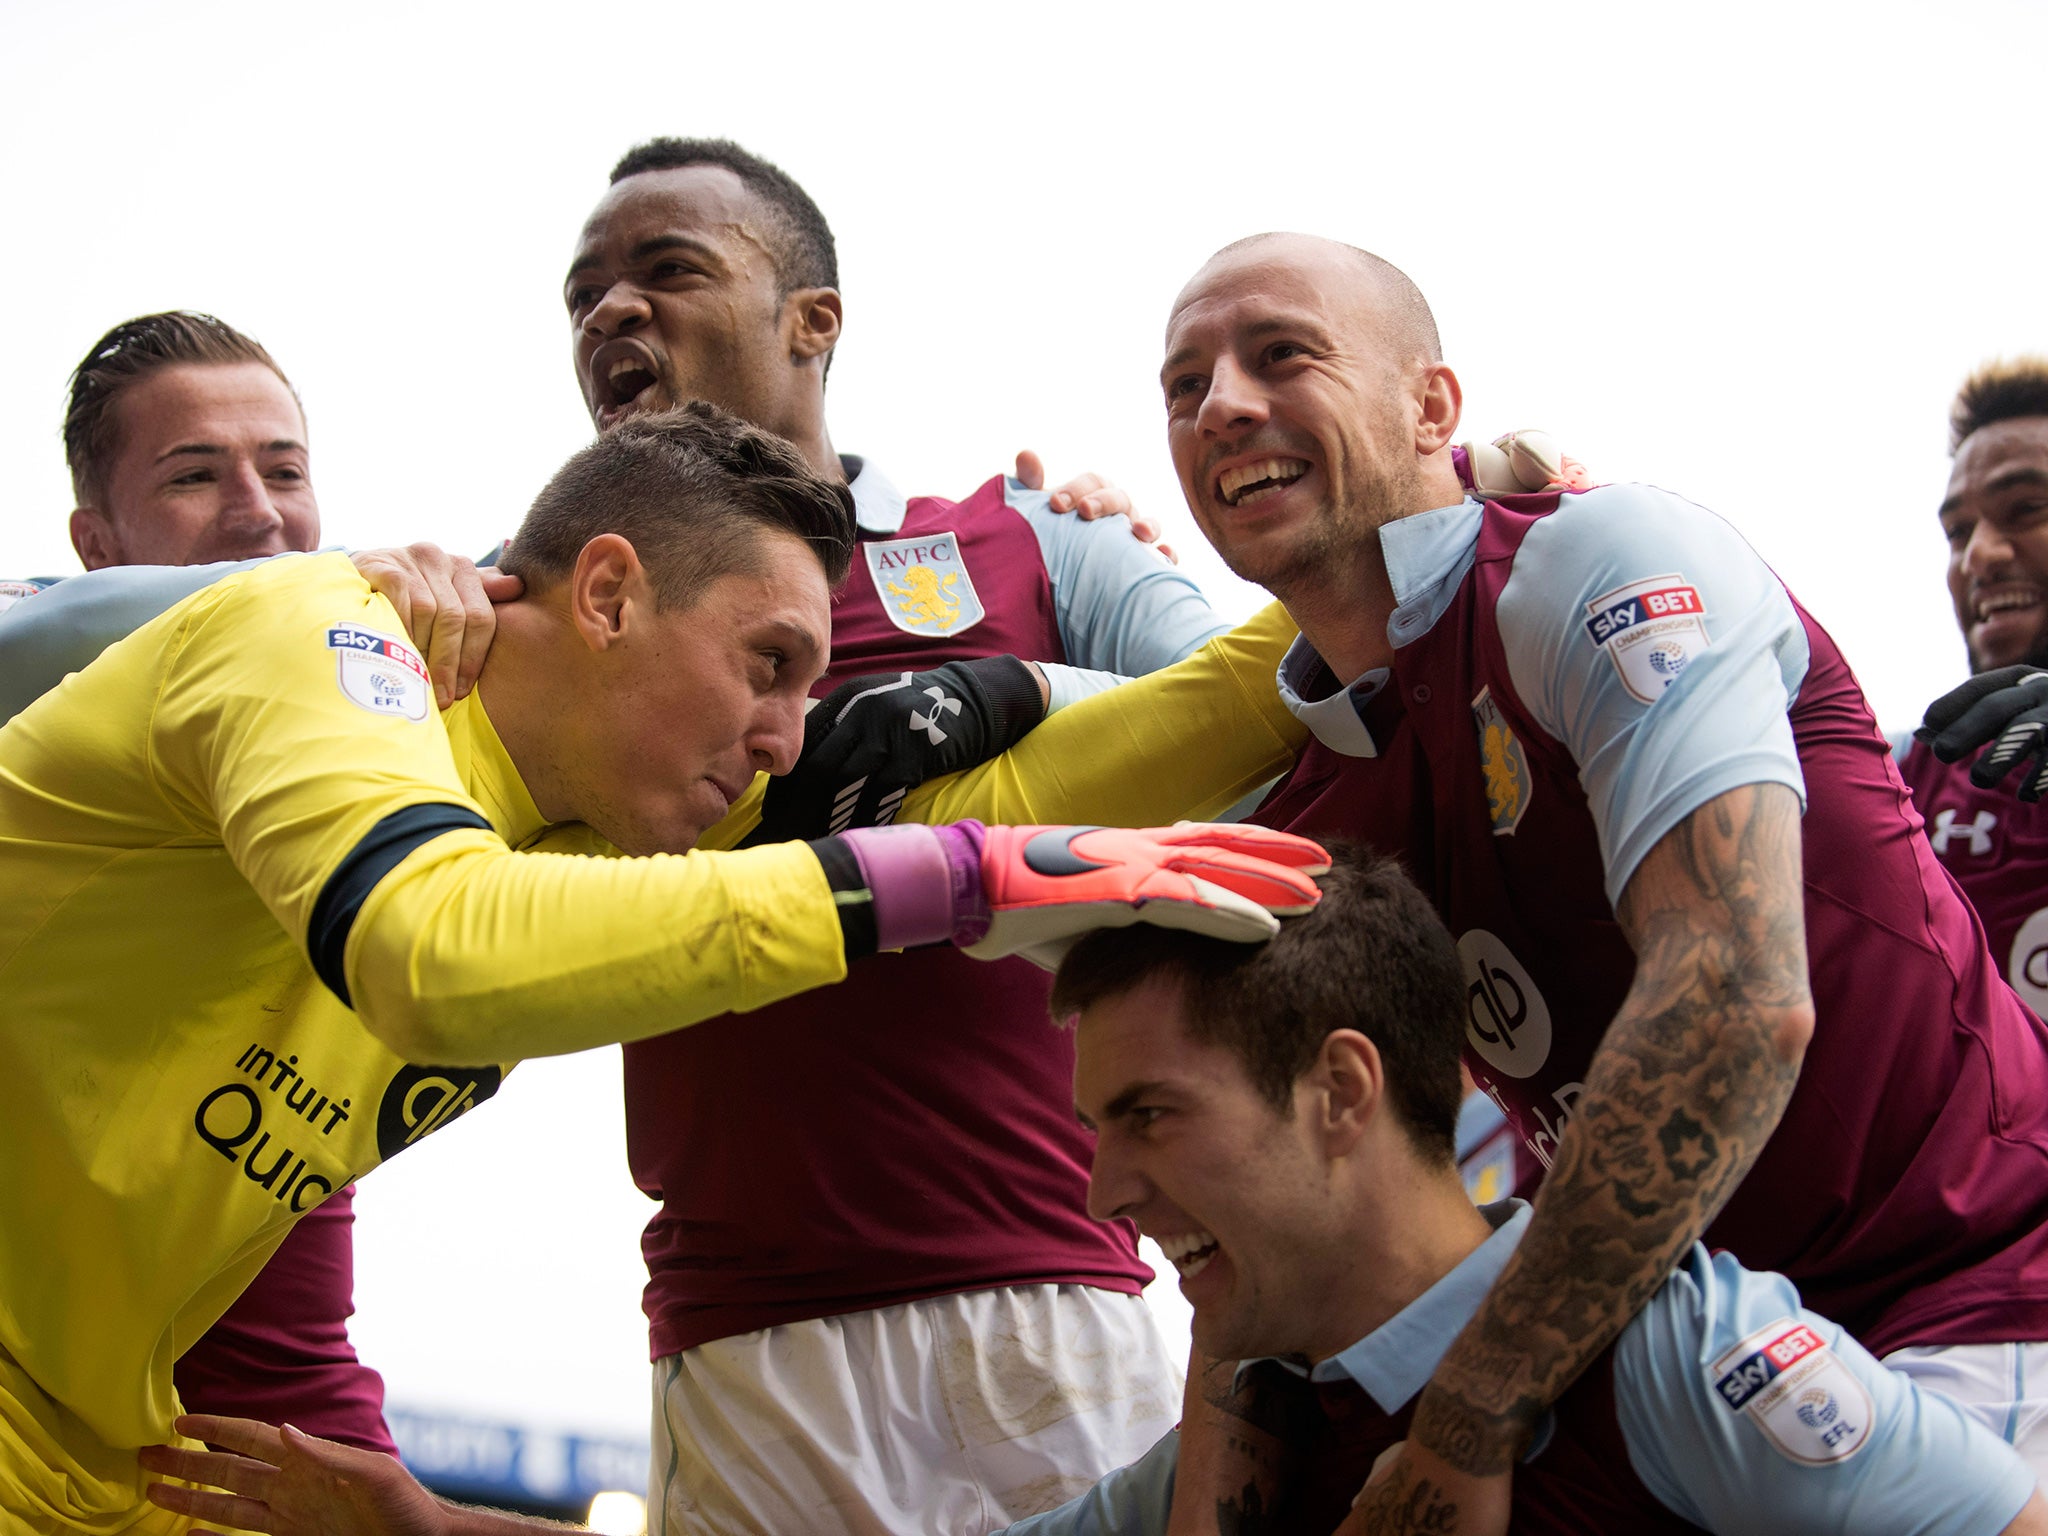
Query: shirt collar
x: 1395, y: 1361
x: 1428, y: 556
x: 877, y: 505
x: 488, y: 772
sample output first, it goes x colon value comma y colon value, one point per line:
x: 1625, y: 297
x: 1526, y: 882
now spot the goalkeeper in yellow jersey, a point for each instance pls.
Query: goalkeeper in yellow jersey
x: 267, y: 917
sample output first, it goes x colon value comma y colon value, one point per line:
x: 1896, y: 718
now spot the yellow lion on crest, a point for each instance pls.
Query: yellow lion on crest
x: 928, y: 599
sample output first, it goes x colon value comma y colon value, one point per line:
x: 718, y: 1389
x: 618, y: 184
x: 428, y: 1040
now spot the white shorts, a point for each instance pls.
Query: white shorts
x: 953, y: 1416
x: 2002, y: 1386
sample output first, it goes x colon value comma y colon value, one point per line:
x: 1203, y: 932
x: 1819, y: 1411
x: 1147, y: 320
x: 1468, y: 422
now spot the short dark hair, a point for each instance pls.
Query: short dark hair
x: 2000, y: 391
x: 805, y: 254
x: 129, y: 353
x: 1373, y: 956
x: 690, y: 489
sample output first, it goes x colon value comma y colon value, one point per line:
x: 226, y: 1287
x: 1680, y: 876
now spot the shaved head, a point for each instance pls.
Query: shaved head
x: 1409, y: 325
x: 1306, y: 407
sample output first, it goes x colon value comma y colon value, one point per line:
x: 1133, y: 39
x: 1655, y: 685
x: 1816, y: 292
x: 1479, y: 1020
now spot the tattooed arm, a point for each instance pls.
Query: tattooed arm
x: 1688, y: 1084
x: 1238, y: 1448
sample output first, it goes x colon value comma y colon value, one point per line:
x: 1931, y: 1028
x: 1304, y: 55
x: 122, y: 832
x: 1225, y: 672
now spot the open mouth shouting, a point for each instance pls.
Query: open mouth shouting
x: 1189, y: 1252
x: 624, y: 378
x: 1245, y: 484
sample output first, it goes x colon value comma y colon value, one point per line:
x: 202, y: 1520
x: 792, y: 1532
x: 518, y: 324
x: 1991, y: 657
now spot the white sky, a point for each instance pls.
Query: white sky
x: 1744, y: 251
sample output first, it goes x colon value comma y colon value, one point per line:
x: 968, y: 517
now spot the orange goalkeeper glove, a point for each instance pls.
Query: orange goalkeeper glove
x: 1033, y: 891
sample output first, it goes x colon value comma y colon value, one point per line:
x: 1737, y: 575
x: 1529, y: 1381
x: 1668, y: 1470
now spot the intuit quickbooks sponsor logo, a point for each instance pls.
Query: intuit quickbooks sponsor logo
x: 273, y: 1121
x: 231, y: 1120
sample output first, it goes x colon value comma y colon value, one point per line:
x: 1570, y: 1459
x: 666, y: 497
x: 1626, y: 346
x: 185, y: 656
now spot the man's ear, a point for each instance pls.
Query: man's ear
x: 1353, y: 1082
x: 93, y: 536
x: 810, y: 322
x: 1441, y: 405
x: 608, y: 591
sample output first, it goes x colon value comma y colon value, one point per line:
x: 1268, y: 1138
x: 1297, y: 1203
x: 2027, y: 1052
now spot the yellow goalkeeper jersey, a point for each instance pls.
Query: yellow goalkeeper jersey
x: 242, y: 816
x: 267, y: 918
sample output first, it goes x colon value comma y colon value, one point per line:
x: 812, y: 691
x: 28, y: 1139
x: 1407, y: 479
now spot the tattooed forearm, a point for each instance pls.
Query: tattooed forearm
x: 1244, y: 1515
x: 1688, y: 1084
x: 1403, y: 1504
x: 1270, y: 1400
x: 1239, y: 1444
x: 1424, y: 1511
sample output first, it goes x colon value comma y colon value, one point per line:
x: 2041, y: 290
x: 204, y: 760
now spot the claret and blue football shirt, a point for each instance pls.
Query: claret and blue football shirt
x: 1725, y: 1406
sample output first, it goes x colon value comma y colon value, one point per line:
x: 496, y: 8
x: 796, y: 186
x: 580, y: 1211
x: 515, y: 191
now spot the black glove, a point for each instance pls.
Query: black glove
x: 2008, y: 708
x: 873, y: 739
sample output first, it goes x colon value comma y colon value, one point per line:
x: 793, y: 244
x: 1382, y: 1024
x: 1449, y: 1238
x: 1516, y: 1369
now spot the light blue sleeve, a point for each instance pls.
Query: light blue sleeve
x: 1123, y: 609
x: 1824, y: 1437
x: 1131, y: 1501
x: 60, y: 630
x: 1645, y: 635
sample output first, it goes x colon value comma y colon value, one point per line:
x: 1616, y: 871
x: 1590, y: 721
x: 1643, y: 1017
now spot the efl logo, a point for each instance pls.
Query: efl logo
x: 1758, y: 1370
x: 1801, y: 1396
x: 1651, y: 630
x: 383, y: 675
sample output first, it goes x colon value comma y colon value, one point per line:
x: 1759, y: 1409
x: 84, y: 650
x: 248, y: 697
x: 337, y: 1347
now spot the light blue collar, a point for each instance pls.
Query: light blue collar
x: 1428, y: 556
x: 1395, y: 1361
x: 877, y: 505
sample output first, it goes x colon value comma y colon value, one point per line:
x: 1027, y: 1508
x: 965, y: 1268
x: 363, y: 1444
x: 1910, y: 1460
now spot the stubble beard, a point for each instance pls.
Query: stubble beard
x: 1329, y: 549
x: 2035, y: 656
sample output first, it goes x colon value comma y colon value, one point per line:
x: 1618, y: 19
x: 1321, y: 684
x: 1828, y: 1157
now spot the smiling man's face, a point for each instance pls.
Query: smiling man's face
x: 673, y: 296
x: 1233, y: 1190
x: 1995, y: 517
x: 210, y: 464
x: 1287, y: 410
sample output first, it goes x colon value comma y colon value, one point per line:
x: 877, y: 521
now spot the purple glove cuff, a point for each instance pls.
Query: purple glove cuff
x: 926, y: 882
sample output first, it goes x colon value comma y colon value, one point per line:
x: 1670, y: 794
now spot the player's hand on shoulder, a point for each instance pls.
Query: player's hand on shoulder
x: 1088, y: 496
x: 2006, y: 707
x: 444, y: 601
x: 874, y: 739
x: 287, y: 1483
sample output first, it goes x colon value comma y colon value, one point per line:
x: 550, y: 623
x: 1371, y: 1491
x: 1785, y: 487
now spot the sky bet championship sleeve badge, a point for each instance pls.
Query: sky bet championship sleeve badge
x: 383, y: 675
x: 1651, y: 631
x: 924, y: 585
x: 1809, y: 1405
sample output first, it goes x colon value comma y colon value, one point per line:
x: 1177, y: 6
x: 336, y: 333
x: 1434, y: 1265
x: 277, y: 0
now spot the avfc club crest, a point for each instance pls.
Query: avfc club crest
x: 924, y: 585
x: 1503, y: 764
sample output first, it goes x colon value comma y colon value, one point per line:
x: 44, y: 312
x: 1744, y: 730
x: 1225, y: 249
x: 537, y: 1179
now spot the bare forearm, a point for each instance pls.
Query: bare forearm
x: 1684, y: 1091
